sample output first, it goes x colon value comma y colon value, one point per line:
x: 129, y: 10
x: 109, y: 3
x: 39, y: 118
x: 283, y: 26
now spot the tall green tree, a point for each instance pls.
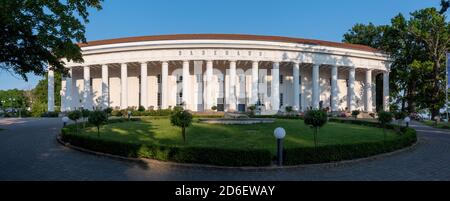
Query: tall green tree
x: 417, y: 49
x: 34, y: 33
x: 40, y: 95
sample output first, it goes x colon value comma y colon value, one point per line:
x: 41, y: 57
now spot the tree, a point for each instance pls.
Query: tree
x: 85, y: 114
x: 445, y: 4
x: 74, y: 116
x: 36, y: 33
x: 97, y: 118
x: 315, y: 118
x: 40, y: 95
x: 108, y: 111
x: 417, y: 49
x: 384, y: 118
x: 183, y: 119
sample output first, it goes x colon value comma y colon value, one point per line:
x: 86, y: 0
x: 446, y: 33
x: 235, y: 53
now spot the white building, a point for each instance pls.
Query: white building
x: 229, y: 71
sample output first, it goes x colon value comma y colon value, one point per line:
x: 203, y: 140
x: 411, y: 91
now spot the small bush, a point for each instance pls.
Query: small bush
x: 141, y: 108
x: 97, y: 118
x: 355, y: 113
x: 214, y: 108
x: 315, y: 119
x: 182, y: 119
x: 288, y: 109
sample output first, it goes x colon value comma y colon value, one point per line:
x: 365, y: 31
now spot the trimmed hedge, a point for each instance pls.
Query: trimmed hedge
x: 184, y: 154
x: 339, y: 152
x: 241, y: 157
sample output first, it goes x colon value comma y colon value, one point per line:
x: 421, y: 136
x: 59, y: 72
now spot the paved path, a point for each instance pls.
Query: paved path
x: 29, y: 151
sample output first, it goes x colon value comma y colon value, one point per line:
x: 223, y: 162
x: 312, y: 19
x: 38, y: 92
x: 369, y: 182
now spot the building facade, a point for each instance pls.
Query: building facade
x: 231, y: 72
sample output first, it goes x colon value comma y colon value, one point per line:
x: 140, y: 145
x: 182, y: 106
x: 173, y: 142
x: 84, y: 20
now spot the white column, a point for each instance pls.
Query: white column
x: 351, y: 89
x: 105, y: 86
x: 51, y: 91
x: 315, y: 86
x: 368, y: 91
x: 334, y: 89
x: 275, y: 101
x: 232, y: 89
x: 68, y: 93
x: 185, y: 85
x: 124, y: 86
x: 87, y: 98
x: 144, y: 86
x: 386, y: 91
x: 296, y: 74
x: 209, y: 74
x: 164, y: 77
x: 254, y: 95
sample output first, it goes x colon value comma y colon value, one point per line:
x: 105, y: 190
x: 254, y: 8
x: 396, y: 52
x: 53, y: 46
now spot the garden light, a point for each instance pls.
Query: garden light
x: 279, y: 133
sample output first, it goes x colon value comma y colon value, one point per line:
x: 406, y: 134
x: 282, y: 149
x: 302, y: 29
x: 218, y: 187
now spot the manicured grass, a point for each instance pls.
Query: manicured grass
x: 443, y: 125
x: 257, y: 136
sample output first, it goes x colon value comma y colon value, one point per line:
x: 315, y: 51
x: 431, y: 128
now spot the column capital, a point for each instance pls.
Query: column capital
x: 209, y: 61
x: 296, y: 62
x: 165, y: 62
x: 255, y: 61
x: 316, y: 64
x: 185, y: 61
x: 232, y: 61
x: 143, y: 62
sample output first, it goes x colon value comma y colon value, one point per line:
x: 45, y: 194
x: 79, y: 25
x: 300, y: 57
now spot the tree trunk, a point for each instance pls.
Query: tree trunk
x: 183, y: 132
x: 98, y: 131
x: 315, y: 138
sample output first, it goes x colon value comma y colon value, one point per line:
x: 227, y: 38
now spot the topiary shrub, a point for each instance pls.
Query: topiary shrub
x: 141, y: 108
x: 97, y: 118
x: 183, y: 119
x: 288, y: 109
x: 214, y: 108
x: 108, y: 111
x: 74, y: 116
x: 315, y: 119
x: 384, y: 118
x: 355, y: 113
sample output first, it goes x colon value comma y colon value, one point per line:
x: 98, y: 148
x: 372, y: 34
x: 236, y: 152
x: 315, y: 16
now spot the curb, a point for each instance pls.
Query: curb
x: 205, y: 166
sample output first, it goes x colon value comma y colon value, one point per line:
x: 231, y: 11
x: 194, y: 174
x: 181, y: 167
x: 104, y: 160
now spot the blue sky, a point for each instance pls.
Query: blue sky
x: 315, y: 19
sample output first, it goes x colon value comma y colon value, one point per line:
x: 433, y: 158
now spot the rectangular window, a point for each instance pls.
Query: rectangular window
x: 281, y: 99
x: 346, y: 82
x: 159, y: 100
x: 180, y: 79
x: 300, y: 101
x: 300, y: 79
x: 281, y: 79
x: 158, y: 77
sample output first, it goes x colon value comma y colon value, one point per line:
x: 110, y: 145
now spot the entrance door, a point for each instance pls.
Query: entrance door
x: 241, y: 107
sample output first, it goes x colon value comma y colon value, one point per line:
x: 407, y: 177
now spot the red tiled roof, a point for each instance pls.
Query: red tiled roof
x: 229, y: 37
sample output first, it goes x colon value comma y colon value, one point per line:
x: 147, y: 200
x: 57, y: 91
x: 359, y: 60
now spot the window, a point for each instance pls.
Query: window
x: 281, y: 99
x: 281, y: 79
x: 180, y: 94
x: 300, y: 79
x: 159, y: 100
x: 180, y: 79
x: 346, y: 82
x: 300, y: 100
x: 261, y: 79
x: 158, y: 77
x: 330, y: 81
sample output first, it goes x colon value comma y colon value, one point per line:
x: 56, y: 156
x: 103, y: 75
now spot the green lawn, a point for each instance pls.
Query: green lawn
x: 443, y: 125
x: 236, y: 136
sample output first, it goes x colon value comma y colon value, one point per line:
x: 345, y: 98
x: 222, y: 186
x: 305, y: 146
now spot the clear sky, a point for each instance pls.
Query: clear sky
x: 315, y: 19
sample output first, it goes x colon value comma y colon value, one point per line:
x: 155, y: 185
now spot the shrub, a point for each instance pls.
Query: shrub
x: 339, y: 152
x: 384, y: 118
x: 116, y: 113
x: 316, y: 119
x: 288, y: 108
x: 141, y: 108
x: 183, y: 119
x: 108, y: 111
x: 214, y: 108
x: 74, y: 116
x: 372, y: 115
x: 355, y: 113
x: 184, y: 154
x: 97, y: 118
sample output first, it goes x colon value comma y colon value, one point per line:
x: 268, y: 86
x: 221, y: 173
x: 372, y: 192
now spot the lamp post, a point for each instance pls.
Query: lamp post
x: 65, y: 120
x: 279, y: 133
